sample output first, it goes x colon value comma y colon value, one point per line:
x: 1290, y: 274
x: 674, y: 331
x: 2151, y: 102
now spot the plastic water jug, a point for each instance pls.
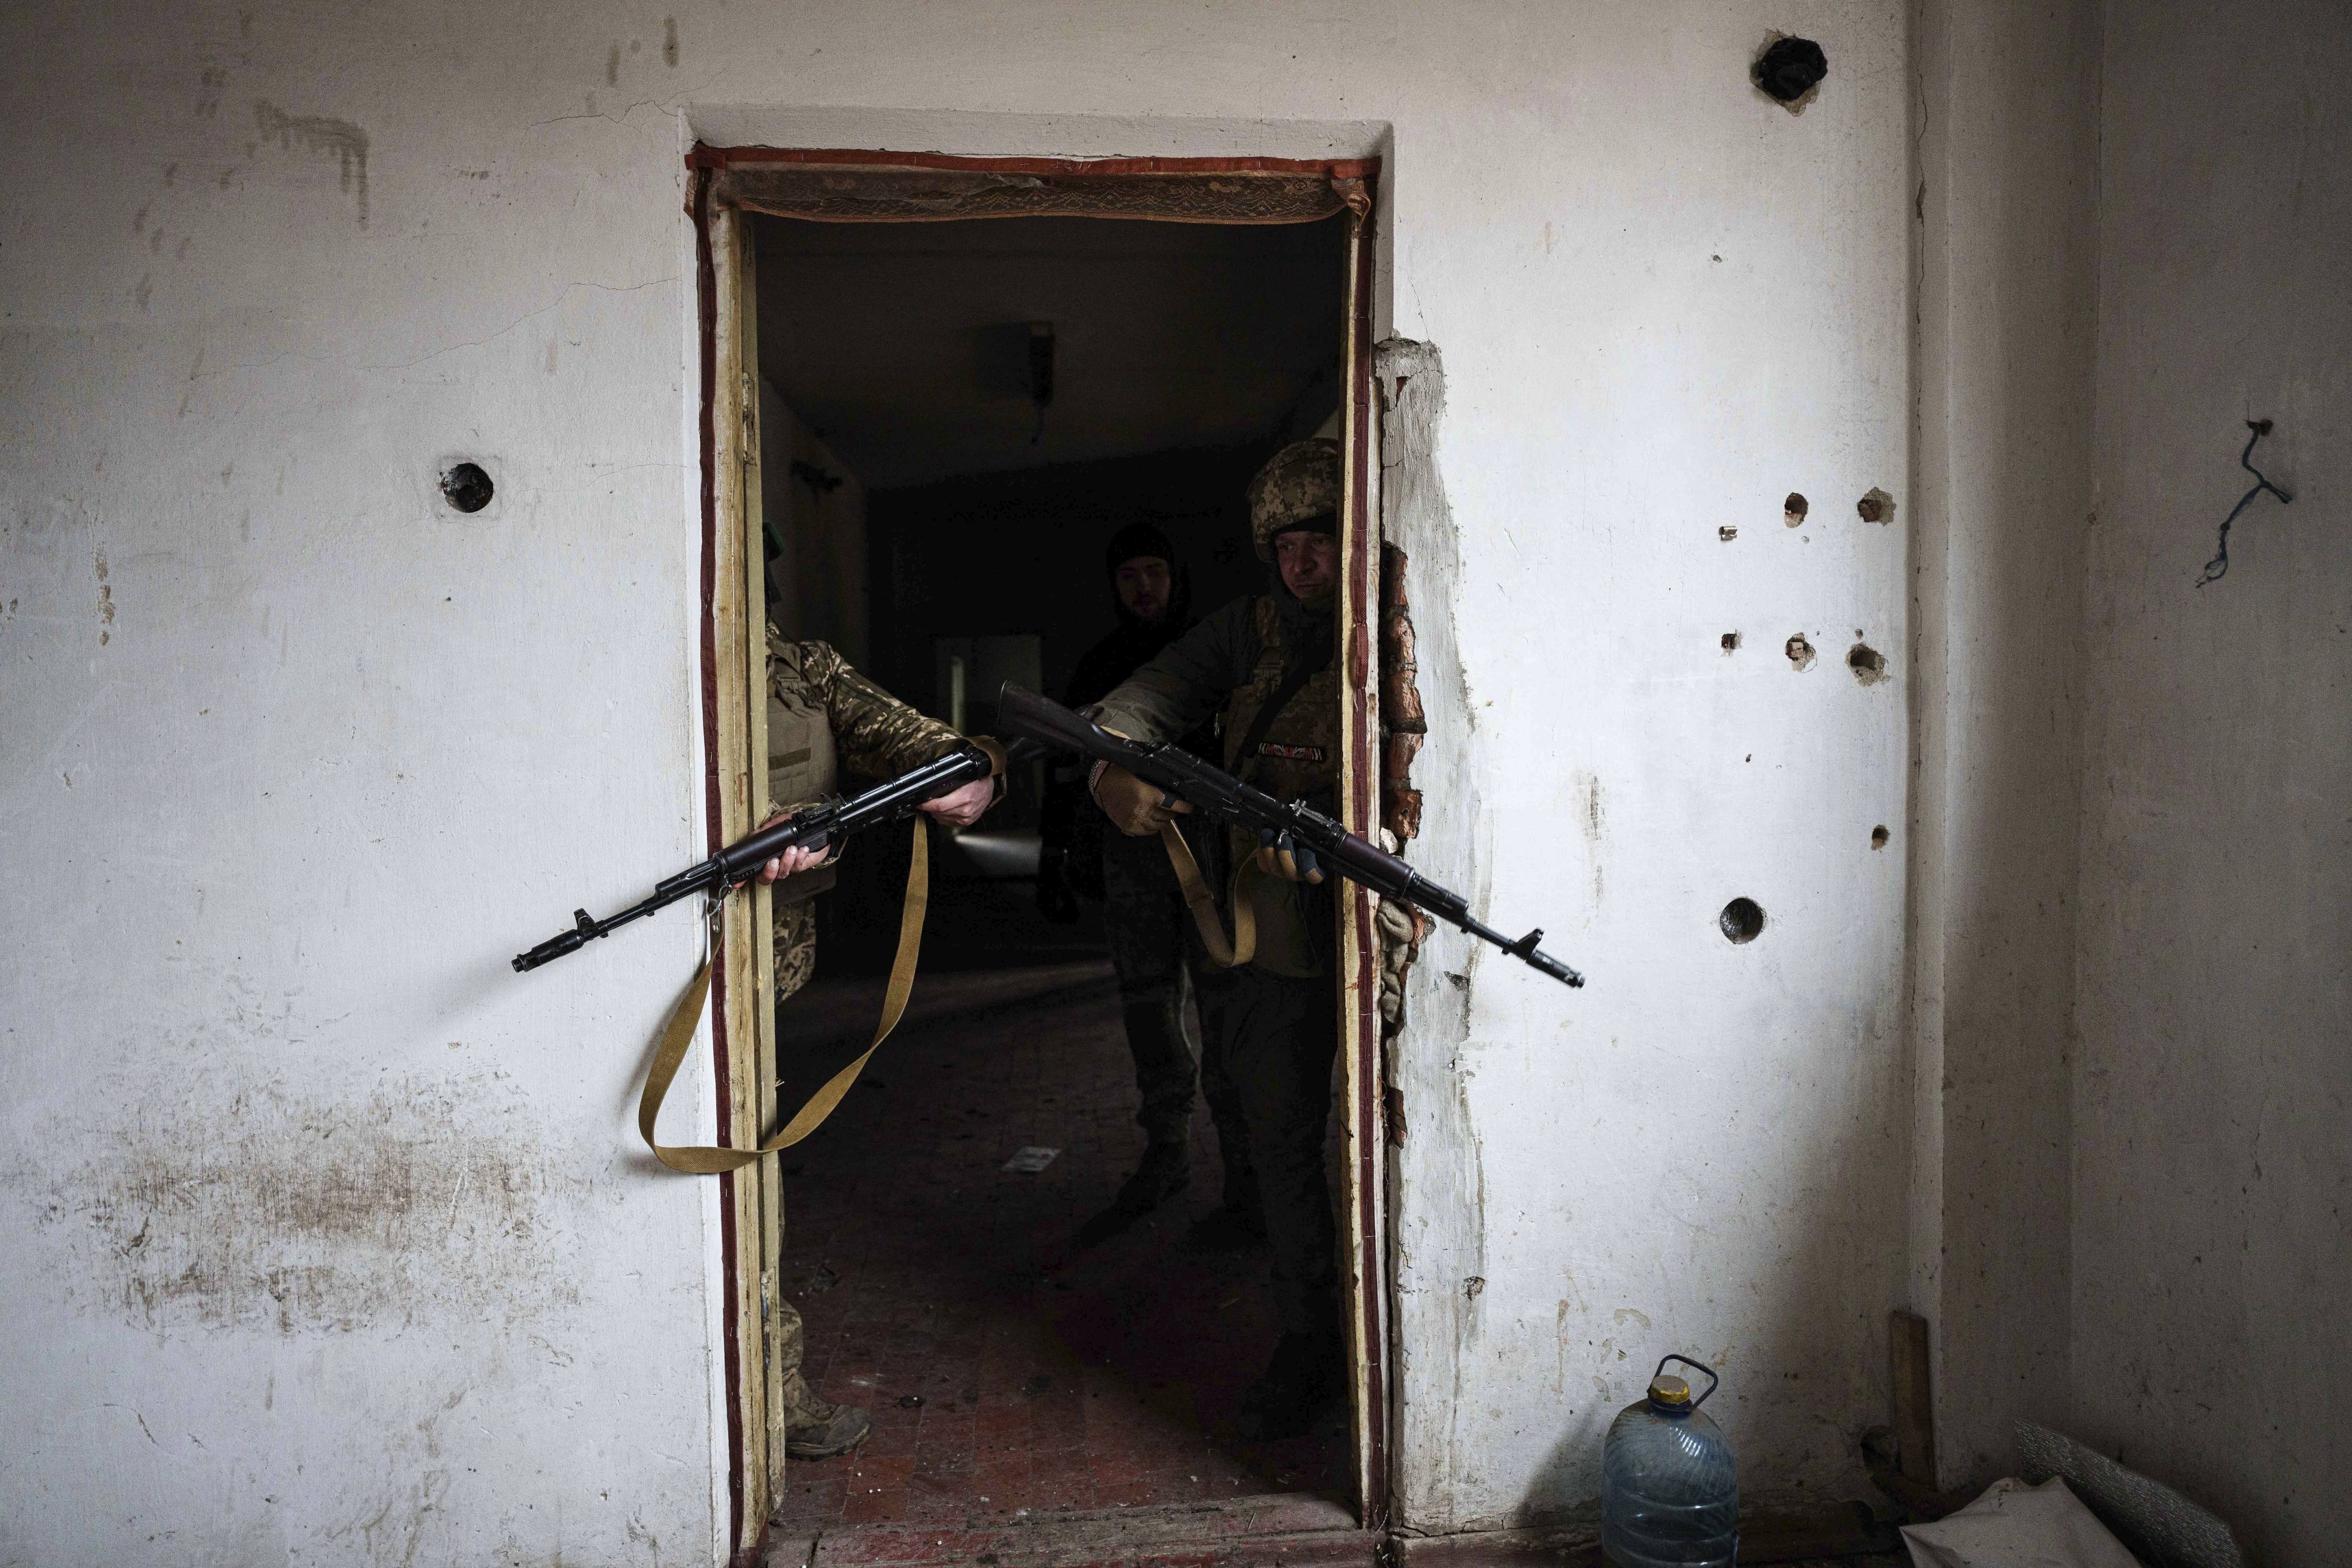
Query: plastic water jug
x: 1669, y: 1495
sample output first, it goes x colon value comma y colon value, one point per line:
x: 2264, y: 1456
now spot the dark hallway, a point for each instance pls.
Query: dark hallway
x: 1009, y: 1374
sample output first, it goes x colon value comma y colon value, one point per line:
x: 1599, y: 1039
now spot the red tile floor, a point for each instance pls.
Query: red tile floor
x: 1010, y: 1375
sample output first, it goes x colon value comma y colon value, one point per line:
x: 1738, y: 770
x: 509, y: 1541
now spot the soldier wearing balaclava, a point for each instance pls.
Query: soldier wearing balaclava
x: 1263, y: 668
x: 1145, y: 923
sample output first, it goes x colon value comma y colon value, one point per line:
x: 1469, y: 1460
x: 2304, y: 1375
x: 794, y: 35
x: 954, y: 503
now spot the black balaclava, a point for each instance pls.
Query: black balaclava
x: 1133, y: 643
x: 1142, y: 539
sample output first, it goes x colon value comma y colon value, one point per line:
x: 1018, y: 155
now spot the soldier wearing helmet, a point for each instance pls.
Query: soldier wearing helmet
x: 1264, y: 668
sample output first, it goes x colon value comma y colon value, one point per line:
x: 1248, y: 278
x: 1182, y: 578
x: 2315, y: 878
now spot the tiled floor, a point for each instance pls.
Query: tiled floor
x: 1009, y: 1374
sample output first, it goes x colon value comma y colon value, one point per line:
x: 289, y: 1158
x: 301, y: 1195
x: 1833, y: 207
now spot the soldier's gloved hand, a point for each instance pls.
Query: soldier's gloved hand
x: 1280, y: 856
x: 1136, y: 808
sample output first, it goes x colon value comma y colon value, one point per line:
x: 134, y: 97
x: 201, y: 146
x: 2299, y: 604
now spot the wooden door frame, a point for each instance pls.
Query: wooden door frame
x: 734, y: 734
x: 733, y: 591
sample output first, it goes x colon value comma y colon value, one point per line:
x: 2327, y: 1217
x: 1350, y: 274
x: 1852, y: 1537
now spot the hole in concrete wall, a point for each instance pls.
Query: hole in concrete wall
x: 1876, y: 506
x: 1732, y: 642
x: 1801, y: 652
x: 1878, y: 837
x: 1794, y: 509
x: 1789, y: 71
x: 466, y: 487
x: 1869, y: 665
x: 1742, y: 921
x: 1727, y: 533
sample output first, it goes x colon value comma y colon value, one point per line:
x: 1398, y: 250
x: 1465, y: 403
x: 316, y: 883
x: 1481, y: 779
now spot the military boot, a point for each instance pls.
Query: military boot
x: 1307, y: 1373
x: 1165, y: 1170
x: 818, y: 1430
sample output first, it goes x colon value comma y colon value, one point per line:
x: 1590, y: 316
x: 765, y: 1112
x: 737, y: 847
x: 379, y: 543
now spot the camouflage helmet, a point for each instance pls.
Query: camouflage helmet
x: 1300, y: 482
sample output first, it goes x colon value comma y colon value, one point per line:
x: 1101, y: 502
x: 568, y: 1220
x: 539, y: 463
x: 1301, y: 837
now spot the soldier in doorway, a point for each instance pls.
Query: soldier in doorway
x: 823, y: 717
x: 1144, y: 918
x: 1265, y: 666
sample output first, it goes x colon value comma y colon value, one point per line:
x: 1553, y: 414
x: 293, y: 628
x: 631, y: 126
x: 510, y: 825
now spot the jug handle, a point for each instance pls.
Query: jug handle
x: 1711, y: 1379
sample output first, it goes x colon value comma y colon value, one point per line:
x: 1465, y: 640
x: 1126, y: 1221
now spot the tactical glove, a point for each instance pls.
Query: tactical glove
x: 1280, y: 856
x: 1136, y: 808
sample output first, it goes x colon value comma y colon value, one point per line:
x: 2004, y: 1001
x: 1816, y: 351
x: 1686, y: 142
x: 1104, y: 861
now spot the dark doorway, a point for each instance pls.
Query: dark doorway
x: 956, y: 418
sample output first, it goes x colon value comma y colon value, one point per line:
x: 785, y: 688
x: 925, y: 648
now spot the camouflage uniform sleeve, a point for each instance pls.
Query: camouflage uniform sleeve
x: 878, y: 735
x: 1187, y: 682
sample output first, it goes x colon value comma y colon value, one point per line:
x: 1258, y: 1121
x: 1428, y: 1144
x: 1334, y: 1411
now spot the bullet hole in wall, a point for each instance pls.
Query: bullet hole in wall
x: 1876, y: 505
x: 1794, y: 509
x: 1878, y: 837
x: 1732, y: 642
x: 1742, y: 921
x: 1869, y: 665
x: 1789, y: 71
x: 466, y: 487
x: 1801, y: 652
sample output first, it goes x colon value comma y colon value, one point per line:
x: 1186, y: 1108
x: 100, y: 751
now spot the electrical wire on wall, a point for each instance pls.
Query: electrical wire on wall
x: 2219, y: 566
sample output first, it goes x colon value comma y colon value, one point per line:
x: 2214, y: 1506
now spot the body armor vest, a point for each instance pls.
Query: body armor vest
x: 1295, y: 757
x: 802, y: 763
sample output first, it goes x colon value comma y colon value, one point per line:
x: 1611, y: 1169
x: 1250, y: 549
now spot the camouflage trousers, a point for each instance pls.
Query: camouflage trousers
x: 1278, y: 1038
x: 1158, y: 955
x: 801, y: 1407
x: 794, y: 940
x: 794, y: 943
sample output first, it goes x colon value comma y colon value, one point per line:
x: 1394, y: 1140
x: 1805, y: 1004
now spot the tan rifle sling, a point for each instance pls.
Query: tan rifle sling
x: 686, y: 1017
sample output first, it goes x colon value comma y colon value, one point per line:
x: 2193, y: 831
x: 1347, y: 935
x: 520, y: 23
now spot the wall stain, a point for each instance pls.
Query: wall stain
x: 316, y: 133
x: 271, y: 1214
x: 1590, y: 815
x: 105, y: 602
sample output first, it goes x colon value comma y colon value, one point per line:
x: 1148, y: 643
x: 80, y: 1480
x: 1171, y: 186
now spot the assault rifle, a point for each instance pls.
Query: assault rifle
x: 811, y: 827
x: 1220, y: 797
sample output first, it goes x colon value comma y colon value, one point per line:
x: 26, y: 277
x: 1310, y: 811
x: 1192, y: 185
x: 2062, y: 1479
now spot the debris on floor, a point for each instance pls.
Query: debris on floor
x: 1054, y: 1383
x: 2150, y: 1519
x: 2015, y: 1523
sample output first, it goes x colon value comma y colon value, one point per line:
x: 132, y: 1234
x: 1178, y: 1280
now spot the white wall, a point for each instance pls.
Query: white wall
x: 262, y: 887
x: 325, y: 1238
x: 1662, y: 303
x: 2004, y: 209
x: 2212, y: 1260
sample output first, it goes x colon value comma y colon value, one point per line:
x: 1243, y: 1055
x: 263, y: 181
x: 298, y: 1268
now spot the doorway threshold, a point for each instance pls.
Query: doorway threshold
x: 1282, y: 1528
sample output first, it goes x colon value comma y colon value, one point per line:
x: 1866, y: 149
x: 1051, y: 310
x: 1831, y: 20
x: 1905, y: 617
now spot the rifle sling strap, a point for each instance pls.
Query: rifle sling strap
x: 1203, y: 904
x: 687, y: 1017
x: 1197, y: 897
x: 1293, y: 681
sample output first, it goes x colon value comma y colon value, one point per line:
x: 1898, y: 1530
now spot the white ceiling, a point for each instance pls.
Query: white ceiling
x: 905, y: 345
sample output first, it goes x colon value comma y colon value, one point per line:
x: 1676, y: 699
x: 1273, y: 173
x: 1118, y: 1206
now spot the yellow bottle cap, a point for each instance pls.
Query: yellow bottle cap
x: 1669, y: 1390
